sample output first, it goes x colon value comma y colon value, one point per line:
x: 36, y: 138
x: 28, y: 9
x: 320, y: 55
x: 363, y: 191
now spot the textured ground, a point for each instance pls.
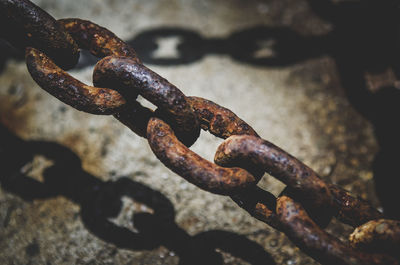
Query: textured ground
x: 300, y: 107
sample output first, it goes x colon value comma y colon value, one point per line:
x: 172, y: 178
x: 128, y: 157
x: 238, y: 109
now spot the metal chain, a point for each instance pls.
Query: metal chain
x: 301, y: 211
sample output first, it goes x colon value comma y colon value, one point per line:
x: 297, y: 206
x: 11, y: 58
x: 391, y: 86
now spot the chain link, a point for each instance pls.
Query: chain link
x: 301, y: 211
x: 24, y: 24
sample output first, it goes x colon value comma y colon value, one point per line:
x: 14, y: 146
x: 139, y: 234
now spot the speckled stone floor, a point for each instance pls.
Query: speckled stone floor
x: 101, y: 212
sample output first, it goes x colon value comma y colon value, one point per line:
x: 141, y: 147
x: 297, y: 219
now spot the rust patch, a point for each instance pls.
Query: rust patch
x: 260, y: 204
x: 60, y: 84
x: 126, y: 74
x: 220, y: 121
x: 202, y: 173
x: 378, y: 235
x: 98, y: 40
x: 302, y: 180
x: 223, y: 123
x: 314, y: 241
x: 26, y: 25
x: 351, y: 210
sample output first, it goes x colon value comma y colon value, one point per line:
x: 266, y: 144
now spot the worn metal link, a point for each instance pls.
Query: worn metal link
x: 191, y: 166
x: 220, y: 121
x: 98, y: 40
x: 60, y: 84
x: 378, y: 235
x: 302, y: 179
x: 350, y: 210
x: 241, y: 160
x: 302, y: 182
x: 301, y: 229
x: 24, y: 24
x: 126, y: 73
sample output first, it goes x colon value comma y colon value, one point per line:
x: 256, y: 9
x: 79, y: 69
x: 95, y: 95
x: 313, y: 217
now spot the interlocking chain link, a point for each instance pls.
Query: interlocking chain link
x: 24, y: 24
x: 301, y: 211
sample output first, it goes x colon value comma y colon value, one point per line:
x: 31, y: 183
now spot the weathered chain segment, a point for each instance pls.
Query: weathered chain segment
x: 301, y: 212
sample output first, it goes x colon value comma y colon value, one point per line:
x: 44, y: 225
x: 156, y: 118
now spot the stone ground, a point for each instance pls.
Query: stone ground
x: 300, y: 107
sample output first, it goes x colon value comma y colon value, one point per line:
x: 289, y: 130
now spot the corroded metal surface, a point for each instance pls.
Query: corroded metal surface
x: 220, y: 121
x: 98, y: 40
x: 191, y: 166
x: 325, y: 248
x: 127, y: 74
x: 305, y: 183
x: 260, y: 204
x: 351, y: 210
x: 25, y: 24
x: 223, y: 123
x: 378, y: 235
x: 68, y: 89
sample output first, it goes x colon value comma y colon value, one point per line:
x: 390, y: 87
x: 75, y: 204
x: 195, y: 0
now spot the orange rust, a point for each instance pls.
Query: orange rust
x: 131, y: 77
x: 323, y: 247
x: 60, y: 84
x: 195, y: 169
x: 24, y: 24
x: 302, y: 180
x: 351, y: 210
x: 264, y: 213
x: 98, y: 40
x: 381, y: 235
x: 220, y: 121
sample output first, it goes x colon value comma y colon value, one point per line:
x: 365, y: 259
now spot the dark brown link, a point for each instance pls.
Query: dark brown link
x: 184, y: 162
x: 135, y: 117
x: 69, y: 90
x: 378, y: 235
x: 351, y: 210
x: 223, y: 123
x: 305, y: 183
x: 26, y: 25
x: 101, y: 42
x: 220, y: 121
x: 98, y: 40
x: 126, y: 73
x: 260, y: 204
x: 314, y: 241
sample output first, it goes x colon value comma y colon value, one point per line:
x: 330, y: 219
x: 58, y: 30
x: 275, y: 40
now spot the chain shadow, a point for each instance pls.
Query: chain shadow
x: 100, y: 201
x: 258, y: 45
x: 364, y: 39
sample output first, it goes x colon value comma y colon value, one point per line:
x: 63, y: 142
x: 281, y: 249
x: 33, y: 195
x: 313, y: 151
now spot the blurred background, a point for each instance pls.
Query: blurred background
x: 318, y: 78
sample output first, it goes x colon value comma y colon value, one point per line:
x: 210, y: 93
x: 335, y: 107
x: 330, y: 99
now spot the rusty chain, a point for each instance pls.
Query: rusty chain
x: 301, y: 211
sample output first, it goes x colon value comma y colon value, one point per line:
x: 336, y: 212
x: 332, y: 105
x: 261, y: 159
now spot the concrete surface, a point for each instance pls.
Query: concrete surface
x: 300, y: 107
